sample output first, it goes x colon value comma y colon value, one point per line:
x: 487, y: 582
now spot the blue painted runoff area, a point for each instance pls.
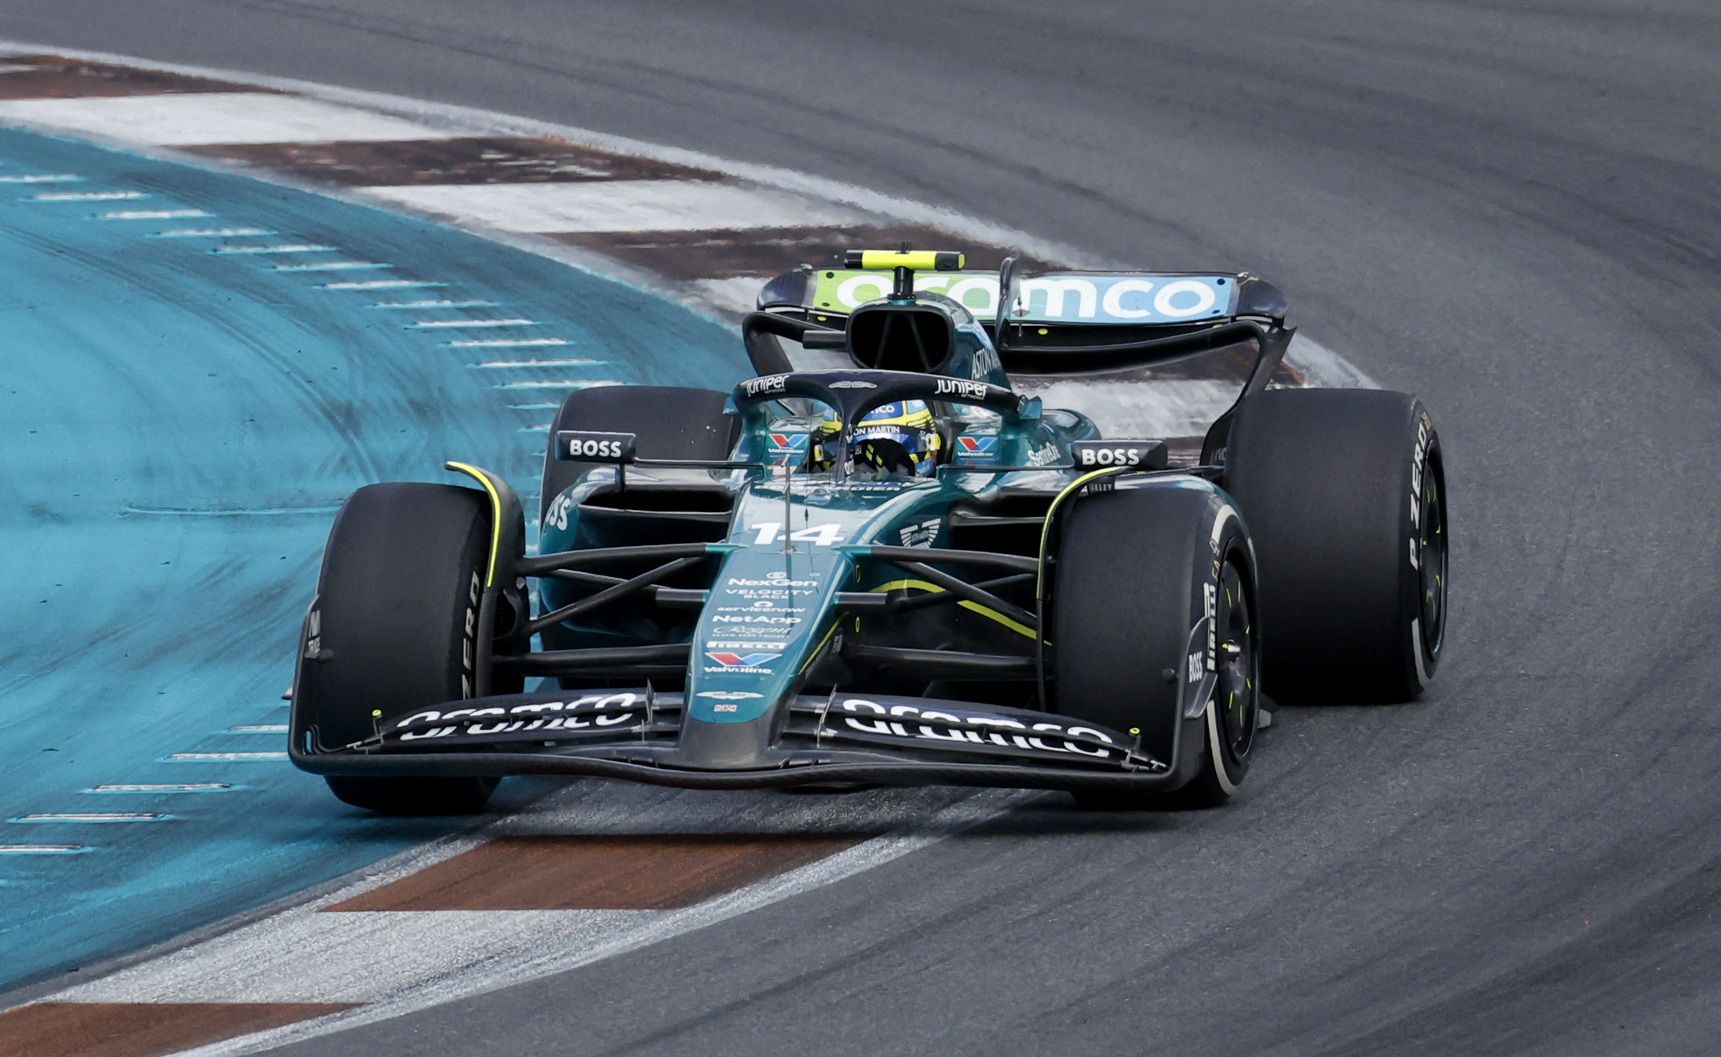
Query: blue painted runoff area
x: 197, y: 369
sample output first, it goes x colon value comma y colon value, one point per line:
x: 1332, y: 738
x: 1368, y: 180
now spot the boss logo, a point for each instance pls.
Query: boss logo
x: 958, y: 387
x: 595, y: 447
x: 1092, y: 454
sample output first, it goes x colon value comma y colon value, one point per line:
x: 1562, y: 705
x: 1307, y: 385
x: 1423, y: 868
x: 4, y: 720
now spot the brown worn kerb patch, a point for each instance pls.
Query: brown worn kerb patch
x: 53, y: 77
x: 721, y: 254
x: 599, y: 872
x: 138, y: 1029
x: 468, y: 160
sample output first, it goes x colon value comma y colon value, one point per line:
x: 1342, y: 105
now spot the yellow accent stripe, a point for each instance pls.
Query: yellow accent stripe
x: 495, y: 514
x: 985, y: 611
x: 820, y: 648
x: 1046, y: 526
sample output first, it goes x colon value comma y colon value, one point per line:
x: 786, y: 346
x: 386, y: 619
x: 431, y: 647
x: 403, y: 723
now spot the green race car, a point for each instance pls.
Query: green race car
x: 896, y: 571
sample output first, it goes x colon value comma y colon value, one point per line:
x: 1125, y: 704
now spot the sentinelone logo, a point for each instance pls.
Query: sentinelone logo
x: 1058, y: 298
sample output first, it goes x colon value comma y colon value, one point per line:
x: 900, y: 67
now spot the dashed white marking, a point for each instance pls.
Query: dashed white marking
x: 498, y: 365
x: 258, y: 728
x: 202, y: 757
x: 92, y: 816
x: 212, y: 233
x: 88, y: 196
x: 508, y: 343
x: 154, y: 214
x: 739, y: 294
x: 541, y: 427
x: 617, y: 205
x: 41, y: 849
x: 160, y: 787
x: 289, y: 247
x: 335, y: 266
x: 42, y: 178
x: 383, y: 284
x: 216, y: 117
x: 17, y: 67
x: 443, y: 303
x: 471, y: 324
x: 547, y: 405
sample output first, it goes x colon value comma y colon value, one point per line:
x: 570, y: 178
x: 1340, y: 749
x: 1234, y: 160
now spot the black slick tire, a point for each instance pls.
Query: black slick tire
x: 669, y: 422
x: 396, y: 604
x: 1138, y: 573
x: 1345, y: 494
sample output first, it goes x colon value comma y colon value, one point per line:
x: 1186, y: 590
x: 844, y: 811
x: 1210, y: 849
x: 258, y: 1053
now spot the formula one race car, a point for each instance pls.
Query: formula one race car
x: 900, y: 571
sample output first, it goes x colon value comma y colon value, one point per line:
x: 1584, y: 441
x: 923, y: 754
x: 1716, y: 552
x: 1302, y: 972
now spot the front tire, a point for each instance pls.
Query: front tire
x: 669, y: 422
x: 395, y: 616
x: 1345, y: 492
x: 1140, y: 576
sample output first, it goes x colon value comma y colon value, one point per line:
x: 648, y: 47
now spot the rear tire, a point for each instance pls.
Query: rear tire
x: 1345, y: 493
x: 1132, y: 581
x: 670, y: 422
x: 398, y: 593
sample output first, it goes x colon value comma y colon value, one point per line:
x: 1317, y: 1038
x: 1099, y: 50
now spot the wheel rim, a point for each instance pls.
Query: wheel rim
x: 1432, y: 570
x: 1238, y: 664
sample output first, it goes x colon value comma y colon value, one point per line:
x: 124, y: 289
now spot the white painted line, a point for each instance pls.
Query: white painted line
x: 397, y: 963
x: 334, y: 266
x: 92, y: 816
x: 616, y: 205
x: 242, y: 757
x: 212, y: 233
x: 444, y: 303
x: 41, y: 849
x: 215, y: 117
x: 258, y: 728
x: 289, y: 247
x: 508, y: 343
x: 382, y: 284
x: 154, y: 214
x: 545, y: 406
x: 471, y: 324
x: 560, y: 383
x: 738, y: 294
x: 161, y: 787
x: 18, y: 67
x: 503, y: 365
x: 43, y: 178
x: 88, y: 196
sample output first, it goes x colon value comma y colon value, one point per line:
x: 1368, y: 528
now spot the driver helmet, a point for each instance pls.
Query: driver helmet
x: 898, y: 438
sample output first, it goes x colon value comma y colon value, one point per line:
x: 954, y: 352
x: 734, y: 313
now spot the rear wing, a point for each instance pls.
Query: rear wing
x: 1055, y: 298
x: 1055, y: 322
x: 1058, y: 322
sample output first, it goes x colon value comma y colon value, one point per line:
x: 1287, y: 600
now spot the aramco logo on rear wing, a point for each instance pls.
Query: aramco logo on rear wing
x: 1060, y: 298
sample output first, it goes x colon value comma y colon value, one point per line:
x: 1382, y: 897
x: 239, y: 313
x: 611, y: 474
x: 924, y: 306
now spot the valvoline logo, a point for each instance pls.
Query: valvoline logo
x: 975, y: 445
x: 788, y: 445
x: 742, y: 660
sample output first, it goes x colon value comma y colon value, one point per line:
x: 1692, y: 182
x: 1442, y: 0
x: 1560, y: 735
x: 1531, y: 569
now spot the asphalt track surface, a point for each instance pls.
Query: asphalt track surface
x: 1508, y: 209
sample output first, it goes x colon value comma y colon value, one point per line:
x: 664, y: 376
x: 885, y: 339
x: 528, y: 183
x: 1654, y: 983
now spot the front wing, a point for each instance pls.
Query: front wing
x: 840, y: 738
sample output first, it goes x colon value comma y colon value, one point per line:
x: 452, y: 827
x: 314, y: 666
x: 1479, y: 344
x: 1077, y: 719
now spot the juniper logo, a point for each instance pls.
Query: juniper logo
x: 1056, y: 298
